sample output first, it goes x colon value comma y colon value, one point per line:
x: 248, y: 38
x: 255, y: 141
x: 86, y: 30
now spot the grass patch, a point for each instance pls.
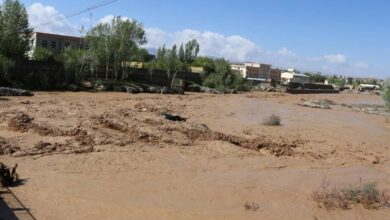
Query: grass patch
x: 272, y: 120
x: 368, y: 195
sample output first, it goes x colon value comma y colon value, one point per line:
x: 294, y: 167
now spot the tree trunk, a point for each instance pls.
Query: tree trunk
x: 173, y: 79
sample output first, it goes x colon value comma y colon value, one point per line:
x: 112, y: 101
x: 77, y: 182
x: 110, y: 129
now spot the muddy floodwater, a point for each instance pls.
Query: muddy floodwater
x: 114, y: 156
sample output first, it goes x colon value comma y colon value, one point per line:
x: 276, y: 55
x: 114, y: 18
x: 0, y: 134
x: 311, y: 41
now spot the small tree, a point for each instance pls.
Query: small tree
x: 116, y: 43
x: 42, y: 54
x: 386, y: 91
x: 220, y: 76
x: 174, y: 61
x: 15, y: 32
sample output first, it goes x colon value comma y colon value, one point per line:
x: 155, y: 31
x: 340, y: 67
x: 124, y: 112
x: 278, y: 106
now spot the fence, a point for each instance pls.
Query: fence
x: 49, y: 75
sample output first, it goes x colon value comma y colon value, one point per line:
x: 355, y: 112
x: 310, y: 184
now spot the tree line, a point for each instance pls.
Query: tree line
x: 111, y: 47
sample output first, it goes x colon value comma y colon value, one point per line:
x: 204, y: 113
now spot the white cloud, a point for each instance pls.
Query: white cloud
x: 108, y: 19
x: 233, y: 48
x: 336, y: 58
x: 286, y: 52
x: 40, y: 15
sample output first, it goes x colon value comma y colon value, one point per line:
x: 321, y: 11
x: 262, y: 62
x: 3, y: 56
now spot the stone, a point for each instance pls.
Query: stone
x: 5, y: 91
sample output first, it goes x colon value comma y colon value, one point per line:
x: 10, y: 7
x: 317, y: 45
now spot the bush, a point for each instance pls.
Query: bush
x: 368, y: 195
x: 386, y: 92
x: 220, y: 76
x: 272, y: 120
x: 43, y: 54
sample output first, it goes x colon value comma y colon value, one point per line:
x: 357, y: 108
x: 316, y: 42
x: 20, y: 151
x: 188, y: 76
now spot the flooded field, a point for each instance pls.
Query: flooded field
x: 114, y: 156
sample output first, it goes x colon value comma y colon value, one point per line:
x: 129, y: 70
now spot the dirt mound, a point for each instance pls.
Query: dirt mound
x: 6, y: 147
x: 45, y: 148
x: 166, y: 132
x: 135, y: 130
x: 21, y: 122
x: 82, y: 136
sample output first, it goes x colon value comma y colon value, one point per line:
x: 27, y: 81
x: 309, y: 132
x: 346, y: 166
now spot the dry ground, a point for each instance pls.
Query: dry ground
x: 113, y: 156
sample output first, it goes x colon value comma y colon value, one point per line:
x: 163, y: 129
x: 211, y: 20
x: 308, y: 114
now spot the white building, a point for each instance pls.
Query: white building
x: 54, y: 42
x: 253, y: 71
x: 294, y: 76
x: 239, y: 68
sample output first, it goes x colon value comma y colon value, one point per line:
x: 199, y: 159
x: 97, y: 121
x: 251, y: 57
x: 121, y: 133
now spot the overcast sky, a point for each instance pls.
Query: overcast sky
x: 348, y: 37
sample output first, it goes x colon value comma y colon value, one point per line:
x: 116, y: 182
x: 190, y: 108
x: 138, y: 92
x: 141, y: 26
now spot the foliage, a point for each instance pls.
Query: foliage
x: 77, y: 63
x: 42, y: 54
x: 14, y: 30
x: 143, y: 55
x: 336, y: 81
x: 218, y: 75
x: 174, y: 61
x: 372, y: 82
x: 386, y: 91
x: 368, y: 195
x: 207, y: 63
x: 191, y: 51
x: 316, y: 77
x: 116, y: 43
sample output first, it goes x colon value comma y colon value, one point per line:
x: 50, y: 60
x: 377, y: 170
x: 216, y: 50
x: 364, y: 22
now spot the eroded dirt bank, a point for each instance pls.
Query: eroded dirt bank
x: 113, y: 156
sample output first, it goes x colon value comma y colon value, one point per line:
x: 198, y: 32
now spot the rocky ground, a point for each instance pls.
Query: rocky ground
x: 115, y: 156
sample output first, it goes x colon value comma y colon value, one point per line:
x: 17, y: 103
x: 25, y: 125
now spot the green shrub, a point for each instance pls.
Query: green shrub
x: 386, y: 92
x: 367, y: 195
x: 43, y: 54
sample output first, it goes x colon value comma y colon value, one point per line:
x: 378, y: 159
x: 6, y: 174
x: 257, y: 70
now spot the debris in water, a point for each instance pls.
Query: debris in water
x: 174, y: 117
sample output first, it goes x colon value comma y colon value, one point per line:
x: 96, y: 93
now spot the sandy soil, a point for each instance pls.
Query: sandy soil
x: 113, y: 156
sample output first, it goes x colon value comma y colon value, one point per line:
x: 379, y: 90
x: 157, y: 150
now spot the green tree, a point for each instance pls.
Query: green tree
x: 191, y: 51
x: 143, y: 55
x: 336, y: 81
x: 316, y: 77
x: 386, y: 91
x: 207, y: 63
x: 182, y: 55
x: 15, y: 32
x: 171, y: 61
x: 222, y: 77
x: 372, y: 82
x: 76, y: 63
x: 116, y: 43
x: 42, y: 54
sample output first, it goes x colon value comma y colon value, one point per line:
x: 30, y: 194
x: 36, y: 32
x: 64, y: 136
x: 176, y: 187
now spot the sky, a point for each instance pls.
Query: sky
x: 342, y: 37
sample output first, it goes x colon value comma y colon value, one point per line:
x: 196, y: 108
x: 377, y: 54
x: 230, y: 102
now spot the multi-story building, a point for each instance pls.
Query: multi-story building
x: 276, y: 74
x: 239, y: 68
x: 55, y: 42
x: 253, y: 71
x: 293, y: 75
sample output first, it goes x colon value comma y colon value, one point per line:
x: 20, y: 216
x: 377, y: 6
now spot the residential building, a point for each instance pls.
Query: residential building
x: 253, y: 71
x: 292, y: 75
x: 54, y: 42
x: 276, y: 74
x: 239, y: 68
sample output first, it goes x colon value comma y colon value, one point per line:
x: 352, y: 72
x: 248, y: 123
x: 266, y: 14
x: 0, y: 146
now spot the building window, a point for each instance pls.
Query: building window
x: 44, y: 43
x: 67, y: 44
x: 53, y: 44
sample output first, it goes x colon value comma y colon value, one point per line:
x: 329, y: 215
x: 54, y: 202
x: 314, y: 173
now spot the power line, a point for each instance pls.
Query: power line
x: 78, y: 12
